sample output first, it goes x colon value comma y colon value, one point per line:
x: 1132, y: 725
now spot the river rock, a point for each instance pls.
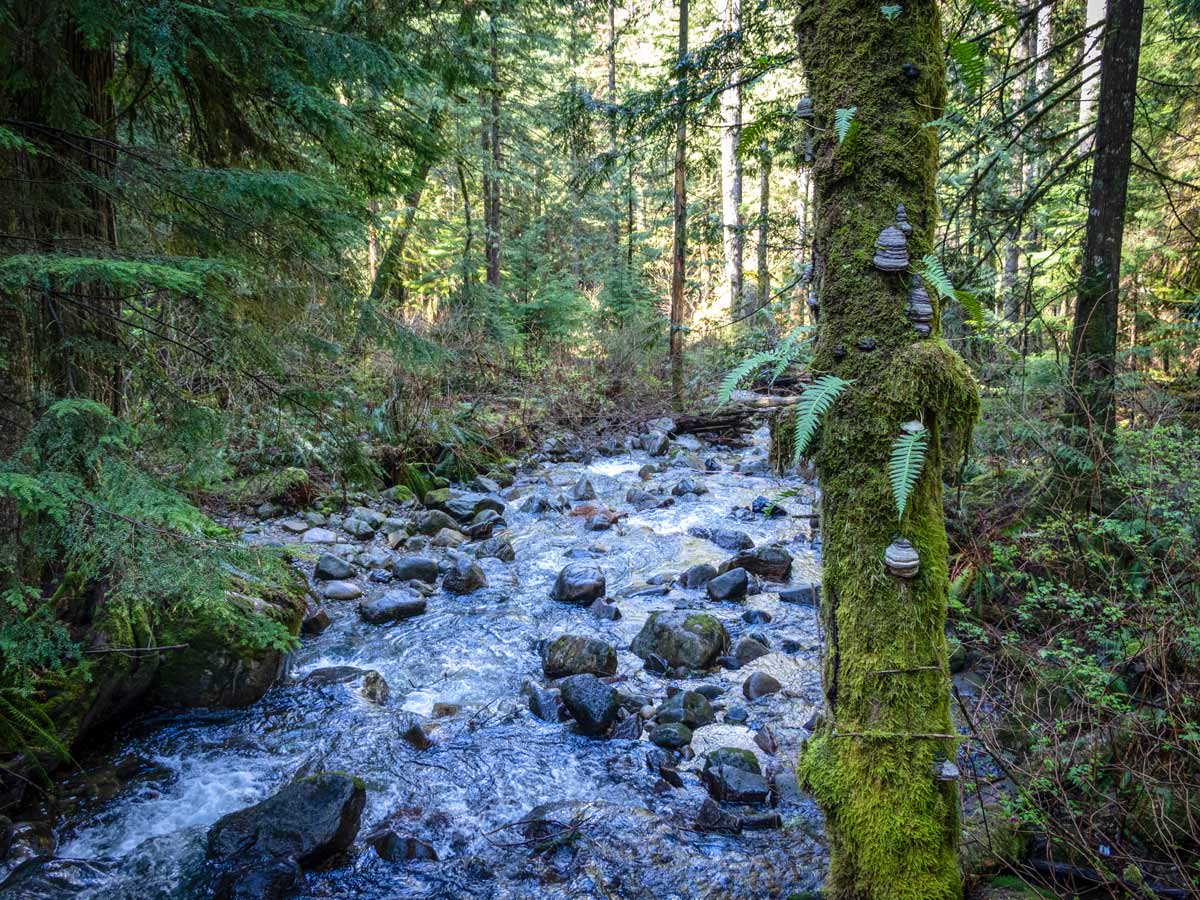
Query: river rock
x: 655, y: 443
x: 804, y: 594
x: 543, y: 702
x: 496, y: 548
x: 712, y: 817
x: 359, y: 529
x: 319, y: 536
x: 582, y: 490
x: 401, y: 848
x: 40, y: 878
x: 342, y: 590
x: 308, y: 821
x: 644, y: 500
x: 688, y: 486
x: 602, y: 609
x: 748, y: 649
x: 627, y: 729
x: 731, y: 585
x: 592, y: 703
x: 771, y: 562
x: 698, y: 576
x: 431, y: 521
x: 333, y: 675
x: 756, y: 617
x: 579, y: 583
x: 466, y: 507
x: 733, y: 785
x: 725, y: 538
x: 415, y: 568
x: 681, y: 638
x: 294, y: 526
x: 464, y: 576
x: 448, y: 538
x: 315, y: 622
x: 375, y: 688
x: 689, y: 707
x: 482, y: 526
x: 671, y: 735
x: 572, y: 654
x: 759, y: 684
x: 392, y: 607
x: 332, y: 568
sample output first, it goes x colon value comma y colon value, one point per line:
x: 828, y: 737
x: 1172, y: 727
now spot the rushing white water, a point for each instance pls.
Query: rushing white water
x: 492, y: 761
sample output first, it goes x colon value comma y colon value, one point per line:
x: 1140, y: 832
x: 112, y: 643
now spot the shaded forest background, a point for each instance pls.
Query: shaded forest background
x: 254, y: 254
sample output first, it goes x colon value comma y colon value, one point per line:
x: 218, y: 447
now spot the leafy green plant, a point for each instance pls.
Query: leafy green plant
x: 891, y: 11
x: 778, y: 357
x: 905, y: 464
x: 814, y: 403
x: 930, y: 268
x: 842, y: 120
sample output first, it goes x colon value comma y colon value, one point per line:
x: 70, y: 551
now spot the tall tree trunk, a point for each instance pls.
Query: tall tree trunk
x: 1013, y: 293
x: 679, y: 248
x: 389, y: 265
x: 764, y: 212
x: 874, y: 764
x: 1090, y: 401
x: 492, y: 184
x: 731, y: 166
x: 614, y: 225
x: 803, y: 204
x: 1090, y: 89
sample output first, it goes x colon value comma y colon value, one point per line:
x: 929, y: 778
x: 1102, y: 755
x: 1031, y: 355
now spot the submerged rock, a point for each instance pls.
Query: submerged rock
x: 572, y: 654
x: 681, y: 638
x: 582, y: 490
x: 725, y: 538
x: 375, y: 688
x: 496, y: 548
x: 401, y: 848
x: 579, y: 583
x: 771, y: 562
x: 592, y: 703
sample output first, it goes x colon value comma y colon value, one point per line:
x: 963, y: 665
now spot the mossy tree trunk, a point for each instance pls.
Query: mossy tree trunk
x: 892, y: 824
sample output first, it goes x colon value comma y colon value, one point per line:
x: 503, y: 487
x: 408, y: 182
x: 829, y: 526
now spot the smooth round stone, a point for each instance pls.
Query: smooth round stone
x: 342, y: 590
x: 319, y: 536
x: 759, y: 684
x: 671, y: 736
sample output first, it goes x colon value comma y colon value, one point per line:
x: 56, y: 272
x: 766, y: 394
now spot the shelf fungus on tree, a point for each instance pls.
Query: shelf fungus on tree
x: 814, y: 305
x: 920, y: 308
x: 866, y: 345
x: 909, y: 70
x: 902, y: 219
x: 945, y: 770
x: 807, y: 275
x: 901, y: 558
x: 839, y: 352
x: 891, y: 250
x: 808, y: 148
x: 804, y: 109
x: 913, y: 426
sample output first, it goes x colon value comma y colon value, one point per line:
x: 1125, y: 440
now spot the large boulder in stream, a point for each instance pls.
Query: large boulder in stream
x: 732, y: 585
x: 681, y: 638
x: 573, y: 654
x: 306, y: 823
x: 392, y: 607
x: 579, y: 583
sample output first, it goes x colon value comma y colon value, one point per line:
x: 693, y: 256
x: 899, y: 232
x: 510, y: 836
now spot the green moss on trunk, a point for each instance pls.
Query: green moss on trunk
x: 893, y: 827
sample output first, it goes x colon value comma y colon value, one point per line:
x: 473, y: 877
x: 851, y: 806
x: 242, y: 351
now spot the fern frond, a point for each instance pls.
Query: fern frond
x: 814, y: 403
x: 970, y: 63
x: 971, y: 304
x: 933, y: 273
x: 842, y: 120
x: 905, y: 464
x: 891, y: 10
x: 741, y: 372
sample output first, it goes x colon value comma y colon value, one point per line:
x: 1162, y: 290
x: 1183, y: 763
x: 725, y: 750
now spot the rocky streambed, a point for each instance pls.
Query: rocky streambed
x: 591, y: 682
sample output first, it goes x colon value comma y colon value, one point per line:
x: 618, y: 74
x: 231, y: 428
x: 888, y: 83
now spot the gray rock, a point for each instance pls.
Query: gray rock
x: 671, y: 735
x: 333, y: 675
x: 315, y: 622
x: 698, y: 576
x: 771, y: 562
x: 689, y: 707
x: 597, y: 523
x: 415, y: 568
x: 294, y: 526
x: 359, y: 529
x: 655, y: 443
x: 401, y: 848
x: 448, y: 538
x: 431, y: 521
x: 392, y: 607
x: 579, y: 583
x: 572, y: 654
x: 582, y: 490
x: 712, y: 818
x: 592, y: 703
x: 602, y: 609
x: 804, y: 594
x: 342, y: 590
x: 373, y: 517
x: 319, y: 536
x: 496, y: 548
x: 759, y: 684
x: 732, y: 585
x: 725, y: 538
x: 41, y: 878
x: 332, y: 568
x: 627, y: 729
x: 688, y: 486
x: 644, y: 500
x: 464, y: 576
x: 466, y: 507
x: 543, y: 703
x: 732, y: 785
x: 681, y: 638
x: 308, y: 821
x: 748, y: 649
x: 756, y: 617
x: 375, y: 688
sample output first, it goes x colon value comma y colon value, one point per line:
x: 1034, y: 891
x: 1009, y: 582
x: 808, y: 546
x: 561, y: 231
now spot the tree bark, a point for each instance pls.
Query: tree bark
x: 1088, y: 91
x: 389, y: 266
x: 614, y: 225
x: 492, y: 149
x: 731, y: 167
x: 873, y: 765
x: 1090, y: 402
x: 764, y: 212
x: 679, y: 248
